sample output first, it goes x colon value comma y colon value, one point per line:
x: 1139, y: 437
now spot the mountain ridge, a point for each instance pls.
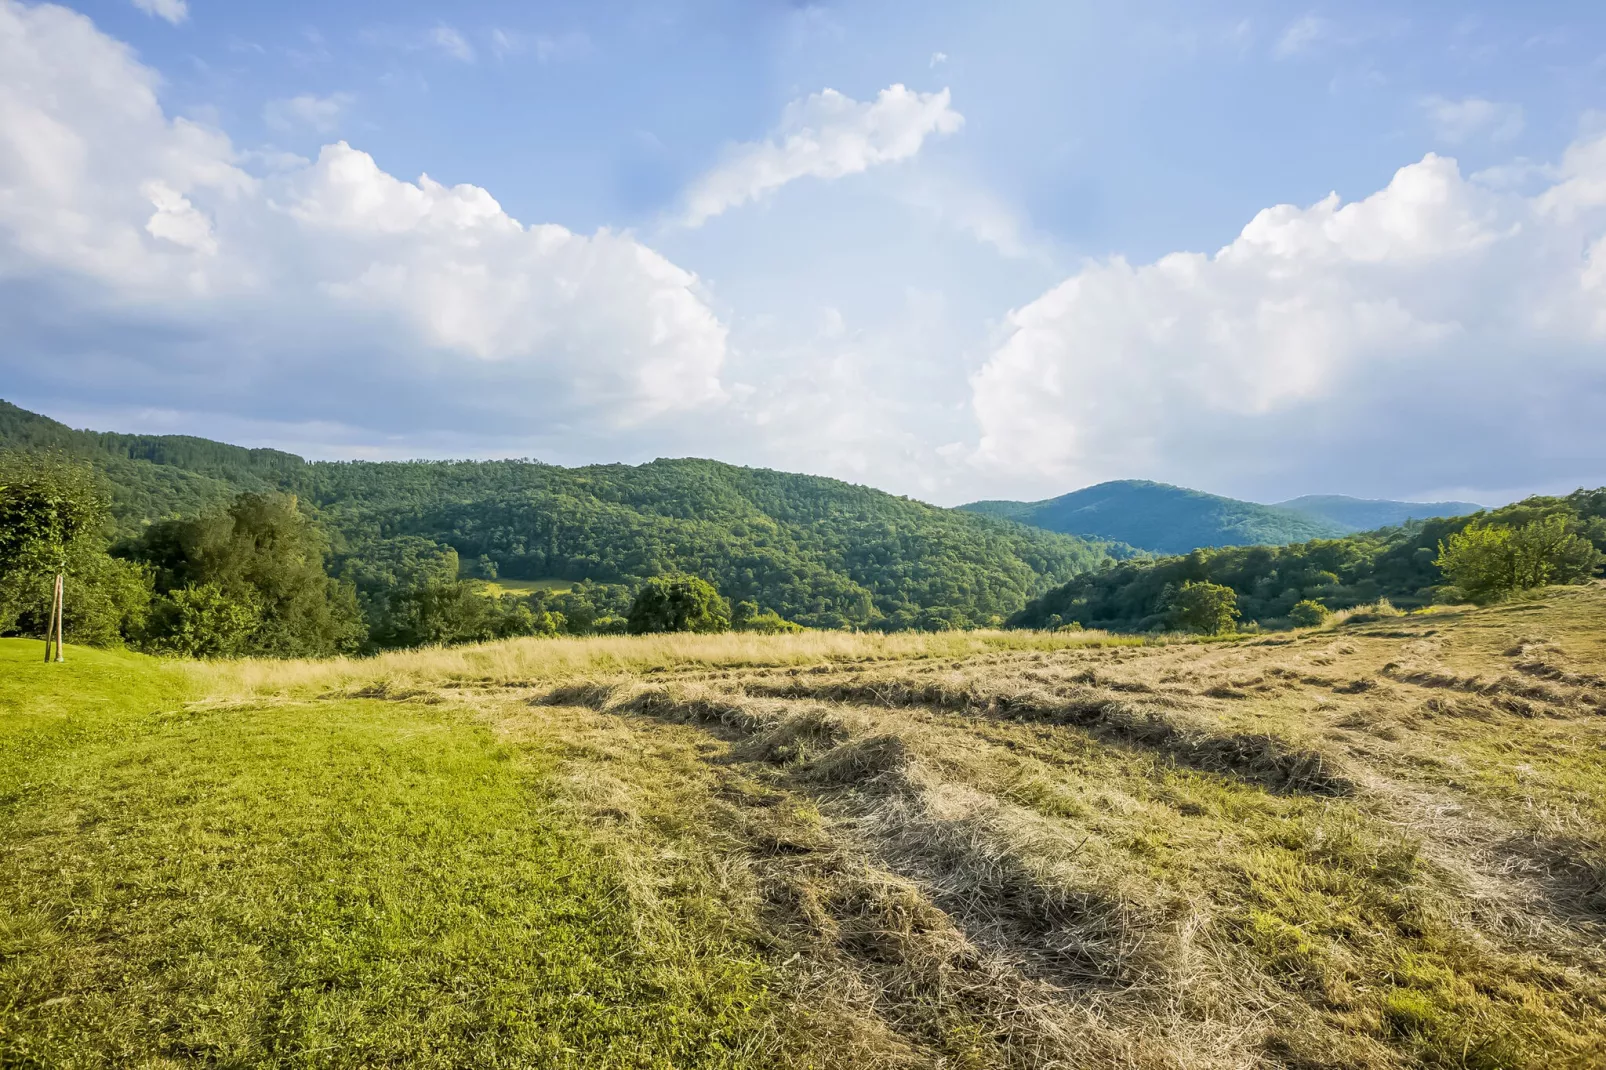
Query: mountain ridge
x: 1167, y: 519
x: 819, y: 551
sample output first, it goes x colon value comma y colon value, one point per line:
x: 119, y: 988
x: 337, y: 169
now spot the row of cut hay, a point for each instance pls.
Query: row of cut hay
x: 1567, y: 695
x: 1048, y: 943
x: 1262, y: 757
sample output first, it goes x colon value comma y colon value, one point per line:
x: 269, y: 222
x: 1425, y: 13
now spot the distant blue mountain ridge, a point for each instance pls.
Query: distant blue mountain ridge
x: 1165, y: 519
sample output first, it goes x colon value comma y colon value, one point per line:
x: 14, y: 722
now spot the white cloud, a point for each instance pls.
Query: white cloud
x: 826, y: 135
x: 938, y: 58
x: 174, y: 11
x: 317, y: 279
x: 1301, y: 34
x: 1458, y: 121
x: 1438, y: 323
x: 452, y: 43
x: 306, y: 112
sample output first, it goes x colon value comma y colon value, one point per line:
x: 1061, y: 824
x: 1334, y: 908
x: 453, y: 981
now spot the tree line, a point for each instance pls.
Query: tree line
x: 1480, y: 558
x: 257, y: 576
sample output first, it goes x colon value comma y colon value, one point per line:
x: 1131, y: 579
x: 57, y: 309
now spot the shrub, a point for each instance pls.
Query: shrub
x: 203, y: 622
x: 678, y: 604
x: 1309, y: 613
x: 747, y: 617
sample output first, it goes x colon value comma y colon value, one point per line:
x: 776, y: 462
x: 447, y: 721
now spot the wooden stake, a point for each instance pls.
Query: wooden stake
x: 61, y: 610
x: 50, y: 627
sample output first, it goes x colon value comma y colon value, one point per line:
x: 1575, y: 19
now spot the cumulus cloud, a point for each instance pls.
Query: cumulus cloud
x: 174, y: 11
x: 1457, y: 121
x: 826, y: 135
x: 322, y: 280
x: 306, y: 112
x: 1438, y: 323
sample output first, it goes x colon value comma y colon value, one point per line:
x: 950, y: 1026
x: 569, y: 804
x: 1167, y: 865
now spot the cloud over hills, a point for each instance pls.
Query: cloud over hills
x: 1407, y: 321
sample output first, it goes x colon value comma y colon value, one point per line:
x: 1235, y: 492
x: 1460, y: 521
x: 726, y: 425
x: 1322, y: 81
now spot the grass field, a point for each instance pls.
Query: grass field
x: 1381, y: 844
x: 501, y: 587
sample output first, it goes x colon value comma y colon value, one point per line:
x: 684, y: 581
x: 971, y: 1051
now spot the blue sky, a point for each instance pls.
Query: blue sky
x: 955, y: 251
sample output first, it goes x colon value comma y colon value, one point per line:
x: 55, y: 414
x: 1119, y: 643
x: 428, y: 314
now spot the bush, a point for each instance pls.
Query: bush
x: 202, y: 622
x: 1309, y: 613
x: 747, y: 617
x: 678, y: 604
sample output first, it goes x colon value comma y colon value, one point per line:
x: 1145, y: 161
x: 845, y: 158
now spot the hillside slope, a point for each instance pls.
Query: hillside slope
x: 1394, y: 563
x: 1372, y: 847
x: 1369, y: 514
x: 1162, y: 518
x: 818, y: 551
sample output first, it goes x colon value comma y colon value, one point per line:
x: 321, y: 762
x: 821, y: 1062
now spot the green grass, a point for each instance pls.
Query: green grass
x: 500, y: 587
x: 324, y: 884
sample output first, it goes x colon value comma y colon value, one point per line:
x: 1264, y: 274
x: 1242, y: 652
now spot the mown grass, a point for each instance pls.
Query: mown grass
x: 346, y: 883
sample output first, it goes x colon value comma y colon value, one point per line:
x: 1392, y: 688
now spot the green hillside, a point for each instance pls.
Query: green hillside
x: 1369, y: 514
x: 1268, y: 581
x: 818, y: 551
x: 1162, y: 518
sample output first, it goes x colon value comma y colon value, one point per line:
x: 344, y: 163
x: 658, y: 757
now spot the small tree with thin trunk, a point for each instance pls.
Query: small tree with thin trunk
x: 52, y: 512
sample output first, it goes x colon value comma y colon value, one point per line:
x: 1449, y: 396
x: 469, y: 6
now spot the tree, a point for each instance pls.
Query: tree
x: 54, y: 514
x: 259, y: 551
x: 678, y: 604
x: 1489, y: 561
x: 447, y: 613
x: 1202, y: 606
x: 1308, y: 613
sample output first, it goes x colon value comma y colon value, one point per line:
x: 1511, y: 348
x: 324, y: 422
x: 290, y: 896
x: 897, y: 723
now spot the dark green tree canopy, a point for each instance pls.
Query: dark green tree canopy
x: 678, y: 604
x: 258, y: 552
x: 1205, y: 607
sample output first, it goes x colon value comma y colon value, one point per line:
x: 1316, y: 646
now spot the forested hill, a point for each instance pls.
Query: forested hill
x: 818, y: 551
x: 1366, y: 514
x: 1163, y: 518
x: 1402, y: 564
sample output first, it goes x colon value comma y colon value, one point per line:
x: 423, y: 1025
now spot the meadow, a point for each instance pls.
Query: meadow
x: 1380, y: 843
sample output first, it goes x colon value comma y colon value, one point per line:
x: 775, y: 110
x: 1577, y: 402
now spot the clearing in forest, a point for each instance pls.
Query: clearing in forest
x: 1378, y: 844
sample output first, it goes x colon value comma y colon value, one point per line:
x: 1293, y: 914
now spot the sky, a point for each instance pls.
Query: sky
x: 952, y: 250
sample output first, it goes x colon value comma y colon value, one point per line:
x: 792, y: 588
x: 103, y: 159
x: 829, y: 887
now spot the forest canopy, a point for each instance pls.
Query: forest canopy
x: 1537, y: 541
